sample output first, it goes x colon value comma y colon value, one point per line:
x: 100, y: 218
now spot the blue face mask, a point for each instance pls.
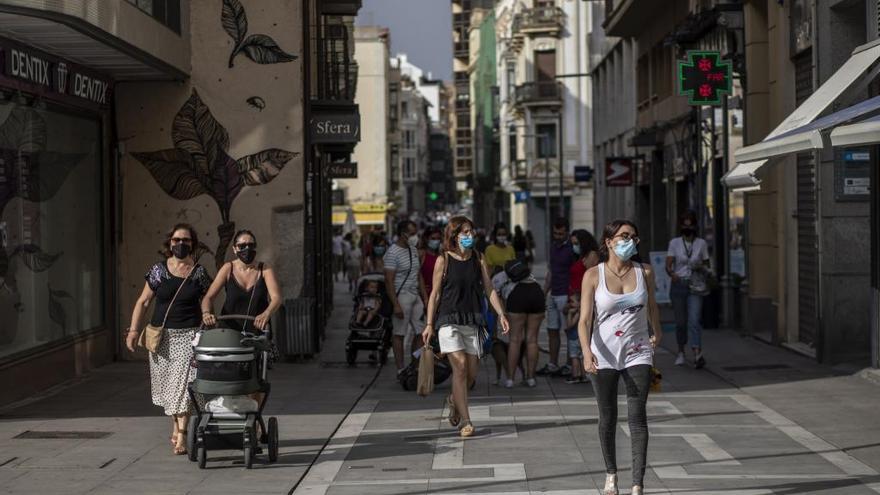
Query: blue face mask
x: 379, y: 250
x: 625, y: 249
x: 434, y: 244
x: 466, y: 241
x: 576, y: 248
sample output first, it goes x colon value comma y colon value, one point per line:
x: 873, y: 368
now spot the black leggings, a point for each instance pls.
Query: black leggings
x: 637, y: 380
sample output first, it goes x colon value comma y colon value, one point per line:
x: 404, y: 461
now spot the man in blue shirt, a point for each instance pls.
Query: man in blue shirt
x: 556, y: 287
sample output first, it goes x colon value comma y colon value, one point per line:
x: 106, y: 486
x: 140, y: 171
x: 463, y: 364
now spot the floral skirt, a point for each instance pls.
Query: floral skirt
x: 171, y: 370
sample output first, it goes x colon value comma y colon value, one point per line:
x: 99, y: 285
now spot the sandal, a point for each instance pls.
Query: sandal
x: 467, y: 429
x: 180, y: 447
x: 454, y: 418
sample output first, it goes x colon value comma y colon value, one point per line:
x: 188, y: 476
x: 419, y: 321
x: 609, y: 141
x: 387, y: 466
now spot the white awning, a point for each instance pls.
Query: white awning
x: 861, y: 67
x: 867, y: 132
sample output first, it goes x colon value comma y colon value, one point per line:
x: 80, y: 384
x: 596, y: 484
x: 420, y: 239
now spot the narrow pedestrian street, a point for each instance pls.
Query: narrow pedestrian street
x: 757, y: 420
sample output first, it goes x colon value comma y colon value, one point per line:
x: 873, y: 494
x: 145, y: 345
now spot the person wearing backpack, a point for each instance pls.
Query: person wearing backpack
x: 524, y: 299
x: 461, y: 278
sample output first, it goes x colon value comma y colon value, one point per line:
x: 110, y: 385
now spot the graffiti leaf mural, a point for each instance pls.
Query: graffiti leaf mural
x: 262, y: 167
x: 198, y: 133
x: 234, y: 20
x: 56, y: 310
x: 263, y: 50
x: 23, y: 131
x: 260, y: 48
x: 200, y: 164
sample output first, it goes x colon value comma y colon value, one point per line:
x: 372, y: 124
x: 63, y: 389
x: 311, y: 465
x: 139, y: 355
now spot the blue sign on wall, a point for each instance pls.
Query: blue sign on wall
x: 521, y: 196
x: 583, y: 173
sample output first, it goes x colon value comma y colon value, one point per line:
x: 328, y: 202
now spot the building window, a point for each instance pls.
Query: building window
x: 643, y: 81
x: 511, y: 80
x: 409, y: 168
x: 511, y: 144
x: 409, y: 139
x: 545, y: 134
x: 51, y: 226
x: 165, y: 11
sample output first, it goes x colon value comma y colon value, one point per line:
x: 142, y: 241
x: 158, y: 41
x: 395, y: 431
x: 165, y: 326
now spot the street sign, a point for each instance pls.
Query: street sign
x: 618, y: 172
x: 521, y: 196
x: 344, y: 170
x: 583, y: 173
x: 704, y: 77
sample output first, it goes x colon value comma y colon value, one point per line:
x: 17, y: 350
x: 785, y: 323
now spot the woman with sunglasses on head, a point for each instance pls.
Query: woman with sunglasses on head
x: 251, y: 288
x: 177, y: 284
x: 618, y: 343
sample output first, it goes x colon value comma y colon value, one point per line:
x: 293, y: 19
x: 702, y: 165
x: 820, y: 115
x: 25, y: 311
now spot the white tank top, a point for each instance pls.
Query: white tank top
x: 620, y: 335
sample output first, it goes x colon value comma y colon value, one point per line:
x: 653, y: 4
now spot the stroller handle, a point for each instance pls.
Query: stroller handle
x: 241, y: 318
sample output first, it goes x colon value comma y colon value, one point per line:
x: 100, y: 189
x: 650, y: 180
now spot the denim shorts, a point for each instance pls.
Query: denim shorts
x: 574, y: 349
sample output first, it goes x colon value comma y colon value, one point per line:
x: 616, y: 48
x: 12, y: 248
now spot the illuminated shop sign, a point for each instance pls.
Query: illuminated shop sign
x: 704, y: 77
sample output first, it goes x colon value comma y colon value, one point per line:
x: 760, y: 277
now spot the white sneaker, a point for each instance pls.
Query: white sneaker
x: 508, y: 383
x: 679, y: 360
x: 531, y: 382
x: 610, y: 485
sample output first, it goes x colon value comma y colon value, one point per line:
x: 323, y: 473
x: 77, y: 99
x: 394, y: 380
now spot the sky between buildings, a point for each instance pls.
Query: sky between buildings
x: 420, y: 28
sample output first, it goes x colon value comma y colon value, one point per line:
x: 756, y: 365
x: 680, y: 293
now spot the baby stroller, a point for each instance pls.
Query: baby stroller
x: 229, y: 366
x: 374, y: 336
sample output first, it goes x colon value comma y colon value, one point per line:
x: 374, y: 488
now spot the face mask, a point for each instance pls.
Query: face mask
x: 576, y: 248
x: 247, y: 255
x: 434, y: 244
x: 625, y: 249
x: 379, y: 250
x: 466, y: 241
x: 501, y: 239
x: 181, y: 250
x: 688, y: 231
x: 413, y: 241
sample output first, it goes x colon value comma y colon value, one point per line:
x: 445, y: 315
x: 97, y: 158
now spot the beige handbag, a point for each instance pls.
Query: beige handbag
x: 151, y: 336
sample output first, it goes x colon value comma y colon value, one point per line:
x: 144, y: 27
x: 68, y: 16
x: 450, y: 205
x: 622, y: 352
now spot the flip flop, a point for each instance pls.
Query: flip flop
x: 467, y: 429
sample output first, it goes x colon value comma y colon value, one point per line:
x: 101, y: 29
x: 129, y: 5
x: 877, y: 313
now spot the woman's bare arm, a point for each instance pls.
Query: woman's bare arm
x: 653, y: 310
x: 137, y: 315
x: 585, y: 324
x: 215, y: 288
x: 434, y: 297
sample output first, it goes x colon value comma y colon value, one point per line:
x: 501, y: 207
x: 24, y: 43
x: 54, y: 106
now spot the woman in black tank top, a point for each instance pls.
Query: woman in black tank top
x: 251, y: 288
x: 461, y: 279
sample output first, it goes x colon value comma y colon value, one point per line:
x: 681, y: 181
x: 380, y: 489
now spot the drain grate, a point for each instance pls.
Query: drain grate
x: 757, y: 367
x: 62, y: 435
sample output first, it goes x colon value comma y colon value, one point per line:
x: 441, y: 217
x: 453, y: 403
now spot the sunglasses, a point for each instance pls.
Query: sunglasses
x: 246, y: 245
x: 178, y: 240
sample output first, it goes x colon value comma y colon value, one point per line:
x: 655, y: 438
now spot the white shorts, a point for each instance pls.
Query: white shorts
x: 413, y: 311
x: 460, y: 338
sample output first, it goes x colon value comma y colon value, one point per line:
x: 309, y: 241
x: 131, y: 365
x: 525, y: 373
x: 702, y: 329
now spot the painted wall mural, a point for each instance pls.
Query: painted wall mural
x: 199, y: 164
x: 260, y: 48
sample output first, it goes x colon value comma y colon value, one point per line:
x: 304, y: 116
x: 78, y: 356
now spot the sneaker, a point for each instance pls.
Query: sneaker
x: 564, y: 370
x: 574, y: 380
x: 508, y: 383
x: 699, y: 362
x: 679, y: 359
x: 531, y: 382
x: 548, y: 369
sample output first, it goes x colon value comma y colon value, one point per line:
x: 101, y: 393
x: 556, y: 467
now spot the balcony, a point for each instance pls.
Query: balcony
x: 627, y: 18
x: 543, y: 93
x: 340, y: 7
x: 539, y: 20
x: 461, y: 49
x: 519, y: 170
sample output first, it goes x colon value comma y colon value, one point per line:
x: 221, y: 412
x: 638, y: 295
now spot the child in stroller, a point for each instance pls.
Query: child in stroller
x: 369, y: 303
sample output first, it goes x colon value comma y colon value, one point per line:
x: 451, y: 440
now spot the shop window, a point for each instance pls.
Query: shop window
x: 165, y: 11
x: 51, y: 224
x: 643, y: 74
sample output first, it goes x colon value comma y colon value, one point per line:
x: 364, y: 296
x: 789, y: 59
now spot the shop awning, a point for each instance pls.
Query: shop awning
x: 862, y: 133
x: 369, y: 218
x: 861, y: 67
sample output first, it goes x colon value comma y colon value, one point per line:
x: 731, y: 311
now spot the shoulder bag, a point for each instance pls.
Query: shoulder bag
x: 151, y: 336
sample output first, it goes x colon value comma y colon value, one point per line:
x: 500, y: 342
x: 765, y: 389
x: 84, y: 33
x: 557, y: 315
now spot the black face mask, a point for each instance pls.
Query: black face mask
x: 247, y: 255
x: 181, y: 250
x: 688, y: 231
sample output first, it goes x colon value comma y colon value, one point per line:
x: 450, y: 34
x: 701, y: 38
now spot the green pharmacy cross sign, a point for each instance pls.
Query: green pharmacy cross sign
x: 704, y: 77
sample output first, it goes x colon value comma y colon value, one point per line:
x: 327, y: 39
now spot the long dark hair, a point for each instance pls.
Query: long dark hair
x: 453, y: 228
x: 166, y: 244
x: 609, y: 232
x: 586, y: 241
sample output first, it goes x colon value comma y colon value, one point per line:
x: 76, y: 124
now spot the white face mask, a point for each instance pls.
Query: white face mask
x: 413, y: 241
x: 502, y: 239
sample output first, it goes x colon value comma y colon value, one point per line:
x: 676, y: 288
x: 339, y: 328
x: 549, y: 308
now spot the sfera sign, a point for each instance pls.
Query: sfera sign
x: 53, y: 76
x: 340, y: 128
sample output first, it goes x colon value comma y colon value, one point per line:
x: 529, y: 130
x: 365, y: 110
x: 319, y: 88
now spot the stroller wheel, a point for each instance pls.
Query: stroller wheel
x: 383, y: 356
x: 248, y: 457
x: 202, y: 456
x: 351, y: 356
x: 273, y: 439
x: 191, y: 438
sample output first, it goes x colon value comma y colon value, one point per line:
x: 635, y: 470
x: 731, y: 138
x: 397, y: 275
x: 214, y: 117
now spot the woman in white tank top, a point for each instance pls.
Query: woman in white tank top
x: 618, y: 313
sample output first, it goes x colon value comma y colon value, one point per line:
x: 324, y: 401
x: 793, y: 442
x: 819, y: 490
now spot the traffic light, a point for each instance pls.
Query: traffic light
x: 433, y: 196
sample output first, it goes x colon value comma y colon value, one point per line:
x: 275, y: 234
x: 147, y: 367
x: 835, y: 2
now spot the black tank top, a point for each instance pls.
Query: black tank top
x: 461, y: 297
x: 237, y: 300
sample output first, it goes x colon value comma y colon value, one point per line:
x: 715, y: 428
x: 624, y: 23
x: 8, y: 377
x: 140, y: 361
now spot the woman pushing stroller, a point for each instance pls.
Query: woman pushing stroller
x: 455, y: 306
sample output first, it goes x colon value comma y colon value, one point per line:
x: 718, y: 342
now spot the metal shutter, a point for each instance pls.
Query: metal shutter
x: 807, y: 216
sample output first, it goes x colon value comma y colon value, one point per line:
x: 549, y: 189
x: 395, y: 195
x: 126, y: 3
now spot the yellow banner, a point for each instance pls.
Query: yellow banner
x: 369, y: 218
